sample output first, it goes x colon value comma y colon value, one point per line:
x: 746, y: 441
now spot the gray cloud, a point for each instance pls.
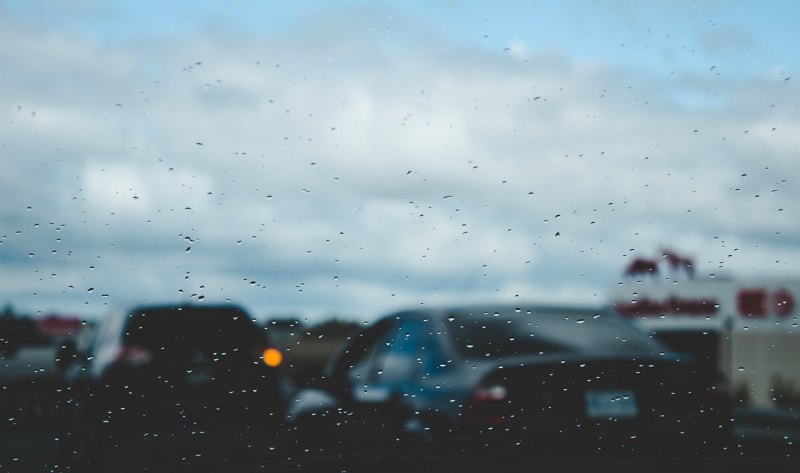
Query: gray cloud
x: 350, y: 169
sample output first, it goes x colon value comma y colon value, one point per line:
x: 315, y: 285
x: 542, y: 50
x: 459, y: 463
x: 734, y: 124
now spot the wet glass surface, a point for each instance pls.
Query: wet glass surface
x: 385, y: 235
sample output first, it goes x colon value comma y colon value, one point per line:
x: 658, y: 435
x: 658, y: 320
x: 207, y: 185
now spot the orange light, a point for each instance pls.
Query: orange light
x: 272, y: 357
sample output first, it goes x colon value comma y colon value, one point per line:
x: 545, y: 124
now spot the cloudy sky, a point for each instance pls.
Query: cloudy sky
x: 356, y: 157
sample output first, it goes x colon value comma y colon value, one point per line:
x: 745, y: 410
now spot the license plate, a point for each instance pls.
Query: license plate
x: 610, y: 404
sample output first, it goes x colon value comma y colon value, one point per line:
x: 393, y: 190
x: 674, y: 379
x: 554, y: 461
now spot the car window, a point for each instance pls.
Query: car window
x: 404, y: 355
x: 356, y: 360
x: 176, y: 328
x: 509, y: 334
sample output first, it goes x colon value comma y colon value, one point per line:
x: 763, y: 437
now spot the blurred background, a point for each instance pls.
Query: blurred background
x: 324, y: 163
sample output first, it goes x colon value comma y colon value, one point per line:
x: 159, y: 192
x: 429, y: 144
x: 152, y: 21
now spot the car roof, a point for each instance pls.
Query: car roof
x: 485, y: 310
x: 185, y: 308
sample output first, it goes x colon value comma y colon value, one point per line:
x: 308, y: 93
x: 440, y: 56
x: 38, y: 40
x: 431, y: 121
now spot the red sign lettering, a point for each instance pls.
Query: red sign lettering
x: 752, y: 302
x: 672, y: 305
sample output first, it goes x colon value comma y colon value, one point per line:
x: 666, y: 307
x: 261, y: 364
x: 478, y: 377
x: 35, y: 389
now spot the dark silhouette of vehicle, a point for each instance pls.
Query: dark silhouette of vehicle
x: 170, y: 381
x: 28, y: 375
x: 510, y: 376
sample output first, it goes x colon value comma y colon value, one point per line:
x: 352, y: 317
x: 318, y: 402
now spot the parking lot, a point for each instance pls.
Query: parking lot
x: 759, y: 448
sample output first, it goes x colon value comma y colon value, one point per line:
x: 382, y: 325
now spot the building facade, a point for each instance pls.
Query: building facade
x: 748, y: 327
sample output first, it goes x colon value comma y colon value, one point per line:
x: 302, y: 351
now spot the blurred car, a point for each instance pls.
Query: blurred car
x: 169, y: 379
x: 511, y: 376
x: 28, y: 377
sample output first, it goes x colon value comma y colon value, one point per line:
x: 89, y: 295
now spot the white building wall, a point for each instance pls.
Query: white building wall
x: 757, y: 320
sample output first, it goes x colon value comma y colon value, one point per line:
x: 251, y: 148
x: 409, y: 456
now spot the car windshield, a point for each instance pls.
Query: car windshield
x: 511, y: 333
x: 314, y: 187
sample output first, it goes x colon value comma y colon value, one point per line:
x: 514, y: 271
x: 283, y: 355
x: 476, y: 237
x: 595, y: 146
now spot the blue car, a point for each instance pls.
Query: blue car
x: 510, y: 376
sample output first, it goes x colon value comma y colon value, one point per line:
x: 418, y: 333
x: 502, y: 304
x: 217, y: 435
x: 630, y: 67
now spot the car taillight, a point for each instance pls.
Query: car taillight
x: 134, y: 355
x: 490, y: 393
x: 487, y: 406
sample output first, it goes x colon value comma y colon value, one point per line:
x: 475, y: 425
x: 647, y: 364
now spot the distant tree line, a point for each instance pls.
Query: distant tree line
x: 333, y: 327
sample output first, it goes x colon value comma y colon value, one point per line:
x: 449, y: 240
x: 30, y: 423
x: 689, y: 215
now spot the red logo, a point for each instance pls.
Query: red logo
x: 674, y: 305
x: 758, y: 302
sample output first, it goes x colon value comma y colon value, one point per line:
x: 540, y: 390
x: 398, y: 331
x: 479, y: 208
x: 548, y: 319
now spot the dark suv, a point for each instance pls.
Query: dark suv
x: 183, y: 382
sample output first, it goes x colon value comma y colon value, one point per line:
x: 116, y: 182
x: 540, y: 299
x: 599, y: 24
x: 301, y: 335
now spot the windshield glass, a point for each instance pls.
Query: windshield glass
x: 510, y: 333
x: 343, y: 171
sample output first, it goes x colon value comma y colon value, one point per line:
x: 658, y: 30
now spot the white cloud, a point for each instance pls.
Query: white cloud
x: 288, y: 162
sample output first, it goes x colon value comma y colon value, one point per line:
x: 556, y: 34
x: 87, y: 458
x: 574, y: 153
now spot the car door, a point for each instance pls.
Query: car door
x: 368, y: 384
x: 331, y: 411
x: 408, y: 387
